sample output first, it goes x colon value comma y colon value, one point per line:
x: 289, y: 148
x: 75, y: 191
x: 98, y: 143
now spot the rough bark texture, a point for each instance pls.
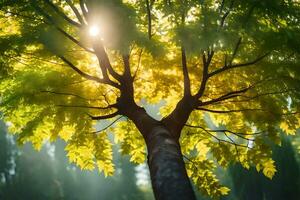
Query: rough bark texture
x: 167, y: 169
x: 168, y: 174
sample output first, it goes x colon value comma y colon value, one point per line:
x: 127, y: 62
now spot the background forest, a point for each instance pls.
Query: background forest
x: 47, y: 175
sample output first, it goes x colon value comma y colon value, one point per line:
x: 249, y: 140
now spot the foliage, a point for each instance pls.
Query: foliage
x: 243, y: 54
x: 47, y: 175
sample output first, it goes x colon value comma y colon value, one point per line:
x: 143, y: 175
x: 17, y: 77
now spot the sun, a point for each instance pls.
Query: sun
x: 94, y: 31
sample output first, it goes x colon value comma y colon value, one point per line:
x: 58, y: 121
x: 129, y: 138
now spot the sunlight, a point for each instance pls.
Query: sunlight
x: 94, y: 31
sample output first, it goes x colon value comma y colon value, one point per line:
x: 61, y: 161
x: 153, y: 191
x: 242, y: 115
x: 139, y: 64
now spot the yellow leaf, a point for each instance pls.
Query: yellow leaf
x: 286, y: 128
x: 224, y: 190
x: 269, y: 168
x: 66, y: 132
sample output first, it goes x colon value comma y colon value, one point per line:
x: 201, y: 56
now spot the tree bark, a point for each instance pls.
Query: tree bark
x: 167, y: 169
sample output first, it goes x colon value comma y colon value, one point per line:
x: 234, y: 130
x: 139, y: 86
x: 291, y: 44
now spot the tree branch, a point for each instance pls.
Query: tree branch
x: 230, y: 111
x: 76, y: 12
x: 224, y: 130
x: 73, y: 39
x: 104, y: 62
x: 83, y: 9
x: 249, y: 98
x: 205, y: 74
x: 148, y: 8
x: 127, y: 73
x: 226, y: 13
x: 108, y: 126
x: 218, y: 71
x: 81, y: 73
x: 63, y: 15
x: 218, y: 139
x: 186, y: 78
x: 235, y: 50
x: 52, y: 22
x: 69, y: 94
x: 229, y: 95
x: 222, y: 6
x: 139, y: 64
x: 91, y: 107
x: 103, y: 116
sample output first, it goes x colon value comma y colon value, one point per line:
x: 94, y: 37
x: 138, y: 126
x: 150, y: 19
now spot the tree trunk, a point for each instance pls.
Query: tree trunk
x: 167, y: 169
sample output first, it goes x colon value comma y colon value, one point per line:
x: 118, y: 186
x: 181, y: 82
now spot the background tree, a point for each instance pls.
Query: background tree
x: 6, y: 155
x: 67, y: 64
x: 46, y: 175
x: 285, y: 184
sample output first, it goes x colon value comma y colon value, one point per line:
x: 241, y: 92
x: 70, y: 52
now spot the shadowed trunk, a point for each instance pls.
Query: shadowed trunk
x: 167, y: 169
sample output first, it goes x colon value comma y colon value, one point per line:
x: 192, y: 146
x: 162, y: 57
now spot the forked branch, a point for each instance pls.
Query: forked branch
x: 205, y: 74
x: 104, y: 62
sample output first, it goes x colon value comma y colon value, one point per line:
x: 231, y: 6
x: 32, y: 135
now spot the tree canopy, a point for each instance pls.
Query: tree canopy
x: 224, y: 72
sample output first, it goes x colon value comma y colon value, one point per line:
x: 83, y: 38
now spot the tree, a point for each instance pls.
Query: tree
x: 67, y: 64
x: 6, y: 154
x: 27, y: 174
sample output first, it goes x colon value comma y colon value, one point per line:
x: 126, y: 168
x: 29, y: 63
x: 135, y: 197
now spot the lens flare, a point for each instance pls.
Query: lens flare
x: 94, y: 31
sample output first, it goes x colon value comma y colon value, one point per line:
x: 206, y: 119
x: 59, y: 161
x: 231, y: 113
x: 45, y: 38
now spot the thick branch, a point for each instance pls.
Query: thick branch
x: 104, y: 62
x: 177, y: 119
